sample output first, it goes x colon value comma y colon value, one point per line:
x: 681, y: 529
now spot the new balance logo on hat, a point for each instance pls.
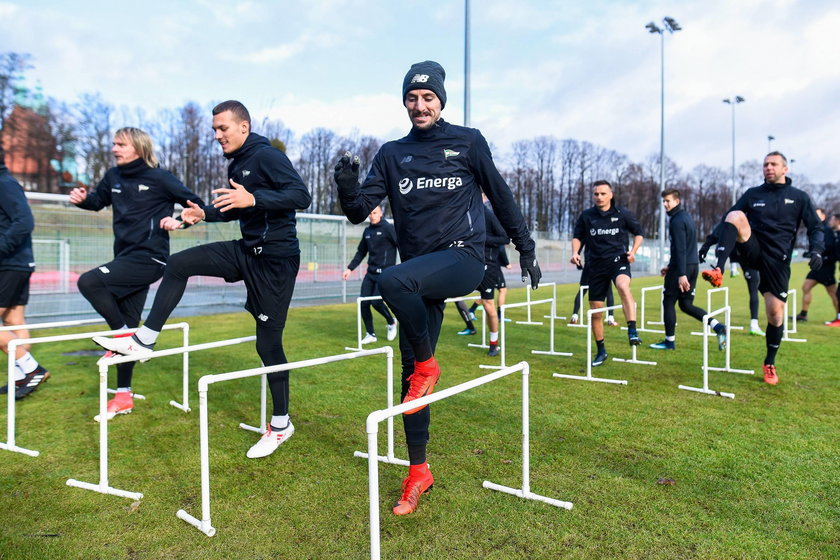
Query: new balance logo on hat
x: 422, y: 78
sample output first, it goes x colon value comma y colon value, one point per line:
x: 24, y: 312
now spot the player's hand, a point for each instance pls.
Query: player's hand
x: 664, y: 271
x: 575, y: 260
x: 346, y: 274
x: 170, y: 224
x: 685, y: 286
x: 631, y: 257
x: 192, y: 214
x: 816, y: 261
x: 346, y: 173
x: 530, y: 267
x: 235, y: 197
x: 704, y: 250
x: 78, y: 195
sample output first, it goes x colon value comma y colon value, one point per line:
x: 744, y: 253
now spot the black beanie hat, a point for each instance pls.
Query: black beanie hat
x: 426, y: 75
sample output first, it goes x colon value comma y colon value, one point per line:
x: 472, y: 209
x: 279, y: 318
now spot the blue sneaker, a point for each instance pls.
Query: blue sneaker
x: 493, y: 351
x: 473, y: 317
x: 600, y: 358
x: 466, y: 332
x: 633, y: 337
x: 720, y: 332
x: 664, y: 345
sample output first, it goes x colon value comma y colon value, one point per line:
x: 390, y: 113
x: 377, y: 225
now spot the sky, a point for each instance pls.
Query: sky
x: 587, y: 70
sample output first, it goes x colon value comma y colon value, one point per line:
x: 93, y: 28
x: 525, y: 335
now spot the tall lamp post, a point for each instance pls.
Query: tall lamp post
x: 733, y: 271
x: 466, y: 62
x: 770, y: 139
x: 671, y: 26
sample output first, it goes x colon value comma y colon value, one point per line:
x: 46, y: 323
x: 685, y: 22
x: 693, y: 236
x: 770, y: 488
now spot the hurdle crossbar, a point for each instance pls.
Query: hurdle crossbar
x: 10, y: 444
x: 205, y: 523
x: 502, y: 330
x: 104, y: 487
x: 726, y: 311
x: 376, y: 417
x: 709, y: 293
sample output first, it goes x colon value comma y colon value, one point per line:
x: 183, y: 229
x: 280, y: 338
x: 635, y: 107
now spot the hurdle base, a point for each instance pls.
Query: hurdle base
x: 472, y: 345
x: 137, y: 396
x: 383, y: 458
x: 179, y: 406
x: 250, y: 428
x: 645, y: 329
x: 634, y: 361
x: 526, y: 495
x: 16, y: 449
x: 353, y: 349
x: 576, y: 325
x: 104, y: 489
x: 707, y: 391
x: 556, y: 317
x: 529, y: 322
x: 731, y: 370
x: 589, y: 378
x: 550, y: 353
x: 482, y: 366
x: 203, y: 526
x: 786, y: 339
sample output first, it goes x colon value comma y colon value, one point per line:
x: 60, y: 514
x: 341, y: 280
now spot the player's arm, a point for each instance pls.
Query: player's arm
x: 21, y: 222
x: 286, y: 190
x: 357, y: 200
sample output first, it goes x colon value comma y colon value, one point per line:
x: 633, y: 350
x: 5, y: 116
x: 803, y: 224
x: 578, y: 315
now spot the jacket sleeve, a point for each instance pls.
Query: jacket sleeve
x: 633, y: 225
x: 21, y: 222
x: 357, y: 203
x: 178, y: 192
x: 580, y: 231
x: 495, y: 236
x: 285, y: 189
x: 361, y: 251
x: 679, y: 236
x: 499, y: 194
x: 98, y: 198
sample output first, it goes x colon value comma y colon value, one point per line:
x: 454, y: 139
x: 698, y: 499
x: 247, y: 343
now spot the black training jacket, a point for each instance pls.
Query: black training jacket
x: 683, y: 240
x: 278, y: 190
x: 830, y: 250
x: 495, y: 239
x: 379, y: 242
x: 433, y: 180
x: 139, y: 196
x: 604, y: 234
x: 775, y: 211
x: 16, y: 225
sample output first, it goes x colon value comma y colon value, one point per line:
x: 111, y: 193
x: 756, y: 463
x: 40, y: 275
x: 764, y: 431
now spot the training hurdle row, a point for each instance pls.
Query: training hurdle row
x: 10, y: 444
x: 104, y: 486
x: 376, y: 417
x: 588, y: 376
x: 205, y: 524
x: 502, y: 331
x: 726, y: 311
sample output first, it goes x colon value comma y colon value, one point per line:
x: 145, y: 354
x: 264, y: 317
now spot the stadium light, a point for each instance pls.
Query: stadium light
x: 770, y: 143
x: 733, y: 102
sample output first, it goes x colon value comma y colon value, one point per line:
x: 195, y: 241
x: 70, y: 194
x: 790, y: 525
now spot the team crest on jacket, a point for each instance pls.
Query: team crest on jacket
x: 447, y: 153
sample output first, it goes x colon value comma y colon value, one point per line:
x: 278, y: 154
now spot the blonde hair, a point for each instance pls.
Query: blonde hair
x: 142, y: 143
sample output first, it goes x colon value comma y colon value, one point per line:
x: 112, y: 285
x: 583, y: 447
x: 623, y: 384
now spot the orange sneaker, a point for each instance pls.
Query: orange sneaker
x: 770, y: 376
x: 122, y: 403
x: 714, y: 277
x: 419, y: 481
x: 422, y: 382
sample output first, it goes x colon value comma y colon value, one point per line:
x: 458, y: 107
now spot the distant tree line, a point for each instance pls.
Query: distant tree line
x: 67, y: 143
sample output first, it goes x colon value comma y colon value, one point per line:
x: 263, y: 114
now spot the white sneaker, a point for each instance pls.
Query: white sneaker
x: 125, y: 345
x: 270, y: 441
x: 392, y: 331
x: 369, y: 338
x: 574, y: 319
x: 611, y: 321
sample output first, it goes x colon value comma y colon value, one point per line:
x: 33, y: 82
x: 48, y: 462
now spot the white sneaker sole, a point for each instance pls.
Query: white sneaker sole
x: 122, y: 346
x: 110, y: 415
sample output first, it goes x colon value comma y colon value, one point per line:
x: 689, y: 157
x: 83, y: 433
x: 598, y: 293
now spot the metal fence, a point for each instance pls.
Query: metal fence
x: 68, y: 241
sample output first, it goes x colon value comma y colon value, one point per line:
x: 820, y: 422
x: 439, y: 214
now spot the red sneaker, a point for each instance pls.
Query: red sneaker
x: 422, y: 382
x: 834, y: 323
x: 770, y: 376
x: 714, y: 277
x: 419, y: 481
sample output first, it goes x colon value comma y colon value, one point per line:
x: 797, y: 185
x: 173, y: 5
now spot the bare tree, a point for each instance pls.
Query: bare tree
x: 317, y: 159
x: 94, y: 135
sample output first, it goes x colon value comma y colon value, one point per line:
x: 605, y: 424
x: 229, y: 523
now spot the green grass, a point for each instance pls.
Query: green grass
x: 755, y: 477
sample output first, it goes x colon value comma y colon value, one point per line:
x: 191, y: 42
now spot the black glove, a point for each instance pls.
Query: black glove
x: 816, y: 261
x: 704, y: 250
x: 530, y: 267
x: 346, y: 173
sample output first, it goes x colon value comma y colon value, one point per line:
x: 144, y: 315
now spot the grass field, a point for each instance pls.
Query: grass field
x: 754, y: 478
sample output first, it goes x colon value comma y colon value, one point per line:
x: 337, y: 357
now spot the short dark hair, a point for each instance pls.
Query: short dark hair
x: 600, y: 182
x: 237, y: 108
x: 671, y: 192
x: 778, y: 153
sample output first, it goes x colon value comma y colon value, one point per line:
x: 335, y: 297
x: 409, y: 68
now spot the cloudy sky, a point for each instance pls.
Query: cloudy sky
x: 585, y: 69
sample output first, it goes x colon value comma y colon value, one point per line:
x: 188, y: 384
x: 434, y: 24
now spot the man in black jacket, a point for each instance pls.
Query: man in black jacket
x: 142, y: 197
x: 602, y: 231
x: 16, y: 266
x: 681, y: 274
x: 433, y: 178
x: 379, y: 243
x: 762, y: 226
x: 265, y: 190
x: 825, y: 275
x: 493, y: 279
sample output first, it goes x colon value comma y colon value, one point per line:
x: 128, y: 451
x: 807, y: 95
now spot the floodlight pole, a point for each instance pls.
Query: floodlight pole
x: 466, y: 62
x: 735, y: 100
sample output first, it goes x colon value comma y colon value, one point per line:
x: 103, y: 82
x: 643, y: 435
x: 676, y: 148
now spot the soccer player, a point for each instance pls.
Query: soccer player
x: 602, y: 230
x: 584, y: 281
x: 681, y: 274
x: 142, y: 197
x: 494, y: 279
x: 834, y: 222
x: 265, y: 190
x: 433, y: 178
x: 762, y: 226
x: 379, y: 243
x: 825, y: 275
x: 16, y: 266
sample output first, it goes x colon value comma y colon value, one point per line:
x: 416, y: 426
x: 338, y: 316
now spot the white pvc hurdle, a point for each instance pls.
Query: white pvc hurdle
x: 104, y: 486
x: 528, y: 321
x: 786, y: 330
x: 359, y: 327
x: 588, y: 376
x: 582, y: 323
x: 483, y: 331
x: 554, y: 296
x: 10, y: 372
x: 642, y: 327
x: 376, y: 417
x: 502, y: 331
x: 706, y: 328
x: 726, y: 310
x: 205, y: 524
